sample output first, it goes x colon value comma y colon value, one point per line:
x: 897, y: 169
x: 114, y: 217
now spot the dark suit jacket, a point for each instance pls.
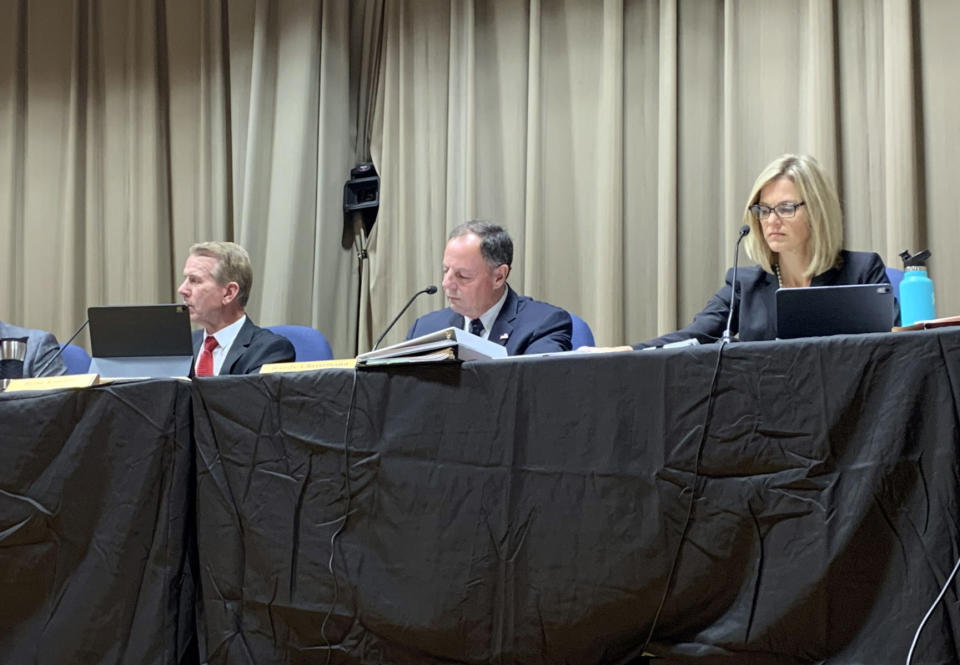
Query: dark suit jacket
x: 755, y: 316
x: 523, y: 326
x: 41, y: 349
x: 253, y: 347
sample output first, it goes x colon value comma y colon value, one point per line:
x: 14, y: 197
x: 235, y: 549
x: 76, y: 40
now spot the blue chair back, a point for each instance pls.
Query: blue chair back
x: 895, y: 276
x: 75, y: 358
x: 582, y: 335
x: 309, y: 343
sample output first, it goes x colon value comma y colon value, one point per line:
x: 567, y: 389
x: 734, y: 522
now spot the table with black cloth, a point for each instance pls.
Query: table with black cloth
x: 97, y: 541
x: 529, y: 510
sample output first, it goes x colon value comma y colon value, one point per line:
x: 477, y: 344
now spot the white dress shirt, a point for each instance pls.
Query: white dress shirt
x: 489, y: 317
x: 225, y: 338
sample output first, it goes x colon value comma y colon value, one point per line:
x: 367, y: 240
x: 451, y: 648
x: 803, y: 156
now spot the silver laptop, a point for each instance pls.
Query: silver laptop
x: 140, y: 341
x: 835, y: 310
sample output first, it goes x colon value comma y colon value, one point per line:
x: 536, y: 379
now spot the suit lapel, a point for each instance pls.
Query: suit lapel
x: 197, y: 343
x: 503, y: 326
x: 239, y: 346
x: 456, y: 320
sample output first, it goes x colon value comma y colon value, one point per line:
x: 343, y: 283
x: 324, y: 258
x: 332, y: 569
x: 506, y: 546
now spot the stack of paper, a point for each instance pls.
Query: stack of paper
x: 449, y: 344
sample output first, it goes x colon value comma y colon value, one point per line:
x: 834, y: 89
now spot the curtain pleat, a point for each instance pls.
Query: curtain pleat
x: 900, y: 164
x: 667, y: 204
x: 615, y: 140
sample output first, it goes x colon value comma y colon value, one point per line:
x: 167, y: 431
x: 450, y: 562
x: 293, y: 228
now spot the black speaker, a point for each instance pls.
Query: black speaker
x: 361, y: 196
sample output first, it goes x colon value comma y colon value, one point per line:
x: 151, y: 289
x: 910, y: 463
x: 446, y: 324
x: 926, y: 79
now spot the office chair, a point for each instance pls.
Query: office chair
x: 582, y: 335
x: 309, y: 343
x: 895, y: 276
x: 75, y: 358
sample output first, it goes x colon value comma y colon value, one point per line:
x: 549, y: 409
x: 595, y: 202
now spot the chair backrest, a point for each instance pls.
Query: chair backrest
x: 895, y: 276
x: 582, y: 335
x: 309, y: 343
x: 75, y: 358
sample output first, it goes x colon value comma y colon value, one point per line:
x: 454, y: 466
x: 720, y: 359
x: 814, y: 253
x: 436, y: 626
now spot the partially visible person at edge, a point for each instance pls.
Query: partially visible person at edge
x: 217, y: 279
x: 796, y: 237
x: 43, y: 352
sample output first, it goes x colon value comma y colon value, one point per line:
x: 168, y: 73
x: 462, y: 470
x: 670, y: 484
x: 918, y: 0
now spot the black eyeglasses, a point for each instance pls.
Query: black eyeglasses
x: 785, y: 210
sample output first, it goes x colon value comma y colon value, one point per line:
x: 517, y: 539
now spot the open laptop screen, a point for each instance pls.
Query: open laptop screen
x: 835, y: 310
x: 140, y: 330
x: 140, y: 340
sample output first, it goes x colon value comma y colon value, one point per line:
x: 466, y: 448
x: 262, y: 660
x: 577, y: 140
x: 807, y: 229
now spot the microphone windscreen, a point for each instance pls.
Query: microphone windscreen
x: 430, y: 290
x: 744, y: 230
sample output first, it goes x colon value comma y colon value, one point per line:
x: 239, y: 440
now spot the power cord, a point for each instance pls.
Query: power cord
x: 693, y: 497
x: 343, y: 519
x: 916, y: 636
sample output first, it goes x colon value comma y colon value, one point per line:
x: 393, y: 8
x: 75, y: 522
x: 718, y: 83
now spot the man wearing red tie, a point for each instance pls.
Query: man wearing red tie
x: 217, y: 279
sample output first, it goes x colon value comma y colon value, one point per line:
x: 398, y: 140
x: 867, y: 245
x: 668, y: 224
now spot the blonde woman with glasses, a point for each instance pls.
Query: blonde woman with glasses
x: 796, y: 238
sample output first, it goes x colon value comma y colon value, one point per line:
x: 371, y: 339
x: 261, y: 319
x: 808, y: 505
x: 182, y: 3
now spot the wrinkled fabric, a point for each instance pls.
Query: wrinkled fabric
x: 97, y: 545
x: 528, y: 510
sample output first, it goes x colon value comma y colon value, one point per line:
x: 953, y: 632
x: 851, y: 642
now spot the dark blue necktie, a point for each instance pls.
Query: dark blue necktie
x: 476, y: 327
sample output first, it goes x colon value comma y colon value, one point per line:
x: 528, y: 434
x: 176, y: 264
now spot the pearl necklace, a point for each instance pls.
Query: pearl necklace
x: 776, y: 269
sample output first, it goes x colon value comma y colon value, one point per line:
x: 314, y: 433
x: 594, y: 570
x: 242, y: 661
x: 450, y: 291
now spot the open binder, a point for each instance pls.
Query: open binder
x: 447, y: 345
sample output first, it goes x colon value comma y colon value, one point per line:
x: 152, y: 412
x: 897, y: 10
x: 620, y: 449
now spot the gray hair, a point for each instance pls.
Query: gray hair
x: 496, y: 247
x: 233, y: 265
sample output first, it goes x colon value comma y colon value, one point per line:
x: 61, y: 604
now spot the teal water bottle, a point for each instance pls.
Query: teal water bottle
x: 916, y: 289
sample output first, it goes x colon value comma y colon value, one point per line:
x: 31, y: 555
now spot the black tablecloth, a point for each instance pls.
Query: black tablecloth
x: 96, y: 526
x: 528, y: 511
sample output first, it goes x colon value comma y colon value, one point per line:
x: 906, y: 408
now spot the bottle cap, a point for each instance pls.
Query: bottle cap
x: 918, y: 260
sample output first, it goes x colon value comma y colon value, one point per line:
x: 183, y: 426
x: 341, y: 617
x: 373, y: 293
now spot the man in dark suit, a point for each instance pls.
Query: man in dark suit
x: 476, y: 264
x: 217, y: 279
x: 43, y: 353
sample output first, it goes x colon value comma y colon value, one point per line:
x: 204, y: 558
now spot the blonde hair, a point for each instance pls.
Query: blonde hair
x: 233, y: 265
x: 822, y: 206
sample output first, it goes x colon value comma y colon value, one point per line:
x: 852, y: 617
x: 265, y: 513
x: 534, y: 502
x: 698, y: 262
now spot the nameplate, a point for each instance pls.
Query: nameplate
x: 53, y: 382
x: 309, y: 365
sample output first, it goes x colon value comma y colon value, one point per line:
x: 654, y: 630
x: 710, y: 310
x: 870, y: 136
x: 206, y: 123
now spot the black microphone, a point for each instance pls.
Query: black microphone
x: 744, y: 230
x: 430, y: 290
x: 59, y: 352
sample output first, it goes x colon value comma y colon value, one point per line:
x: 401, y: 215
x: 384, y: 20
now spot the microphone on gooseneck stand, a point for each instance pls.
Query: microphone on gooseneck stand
x: 59, y: 352
x: 430, y: 290
x: 744, y: 230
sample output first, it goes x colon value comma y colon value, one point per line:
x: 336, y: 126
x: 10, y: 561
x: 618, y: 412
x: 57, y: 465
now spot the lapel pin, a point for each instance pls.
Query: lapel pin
x: 504, y: 335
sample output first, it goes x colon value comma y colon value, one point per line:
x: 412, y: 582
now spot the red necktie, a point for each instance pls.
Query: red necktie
x: 205, y: 362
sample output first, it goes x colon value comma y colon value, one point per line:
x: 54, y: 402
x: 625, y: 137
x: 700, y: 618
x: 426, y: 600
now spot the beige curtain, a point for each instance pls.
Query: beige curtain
x: 130, y: 130
x: 84, y: 168
x: 615, y: 139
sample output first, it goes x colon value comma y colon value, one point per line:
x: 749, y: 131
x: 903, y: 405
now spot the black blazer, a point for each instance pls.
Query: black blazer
x: 755, y: 316
x: 523, y: 325
x: 254, y: 346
